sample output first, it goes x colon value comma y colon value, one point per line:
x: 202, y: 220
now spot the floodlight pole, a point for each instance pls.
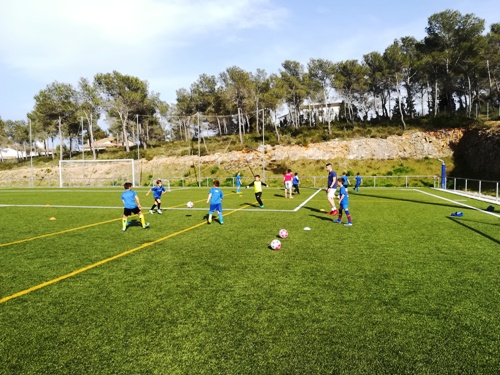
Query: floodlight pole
x: 263, y: 148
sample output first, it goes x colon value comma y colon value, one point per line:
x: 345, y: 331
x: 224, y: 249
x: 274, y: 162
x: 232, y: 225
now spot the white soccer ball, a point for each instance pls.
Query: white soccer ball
x: 275, y: 244
x: 283, y: 233
x: 190, y: 204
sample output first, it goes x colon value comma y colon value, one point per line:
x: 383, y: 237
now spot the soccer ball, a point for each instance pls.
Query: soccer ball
x: 283, y: 233
x: 275, y: 244
x: 190, y: 204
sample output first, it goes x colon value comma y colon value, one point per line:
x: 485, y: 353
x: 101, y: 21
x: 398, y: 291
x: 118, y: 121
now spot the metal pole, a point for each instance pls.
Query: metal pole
x: 31, y: 157
x: 199, y: 153
x: 263, y: 149
x: 138, y: 138
x: 83, y: 153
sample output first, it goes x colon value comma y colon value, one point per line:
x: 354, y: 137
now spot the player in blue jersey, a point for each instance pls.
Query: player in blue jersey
x: 296, y: 183
x: 331, y: 189
x: 158, y: 191
x: 238, y: 182
x: 215, y: 196
x: 131, y: 205
x: 343, y: 204
x: 346, y: 181
x: 359, y: 181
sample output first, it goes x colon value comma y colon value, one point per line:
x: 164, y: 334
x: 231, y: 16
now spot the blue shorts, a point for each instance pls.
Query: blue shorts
x: 215, y: 207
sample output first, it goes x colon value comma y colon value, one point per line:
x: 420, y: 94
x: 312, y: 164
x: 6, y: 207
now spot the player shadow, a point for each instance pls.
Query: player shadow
x: 134, y: 223
x: 313, y: 209
x: 460, y: 222
x: 250, y: 204
x: 325, y: 217
x: 414, y: 201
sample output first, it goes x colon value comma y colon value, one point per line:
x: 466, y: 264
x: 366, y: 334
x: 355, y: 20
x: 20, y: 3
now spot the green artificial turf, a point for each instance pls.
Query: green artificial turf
x: 407, y: 289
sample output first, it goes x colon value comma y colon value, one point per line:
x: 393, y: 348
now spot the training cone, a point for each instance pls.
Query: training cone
x: 52, y: 218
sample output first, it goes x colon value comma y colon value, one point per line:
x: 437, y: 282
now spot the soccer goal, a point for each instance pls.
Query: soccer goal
x: 99, y: 173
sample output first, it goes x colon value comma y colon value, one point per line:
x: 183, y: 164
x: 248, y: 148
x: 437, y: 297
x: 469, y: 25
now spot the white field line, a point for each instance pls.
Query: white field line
x: 460, y: 204
x: 307, y: 200
x: 143, y: 209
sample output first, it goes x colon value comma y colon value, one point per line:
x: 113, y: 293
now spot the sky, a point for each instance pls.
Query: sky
x: 170, y: 43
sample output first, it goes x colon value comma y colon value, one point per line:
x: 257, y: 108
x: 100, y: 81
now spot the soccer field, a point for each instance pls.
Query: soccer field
x: 408, y: 289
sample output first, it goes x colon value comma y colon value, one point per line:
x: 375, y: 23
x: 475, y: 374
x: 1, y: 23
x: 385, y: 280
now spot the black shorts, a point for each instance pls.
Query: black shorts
x: 130, y: 211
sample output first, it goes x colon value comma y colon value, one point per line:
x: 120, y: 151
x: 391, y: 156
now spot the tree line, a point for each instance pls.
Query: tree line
x: 453, y: 71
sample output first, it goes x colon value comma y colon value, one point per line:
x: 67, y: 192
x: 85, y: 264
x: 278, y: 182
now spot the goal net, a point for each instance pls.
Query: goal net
x: 99, y: 173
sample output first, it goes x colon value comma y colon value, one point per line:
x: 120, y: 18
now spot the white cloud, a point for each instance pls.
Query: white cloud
x: 59, y: 35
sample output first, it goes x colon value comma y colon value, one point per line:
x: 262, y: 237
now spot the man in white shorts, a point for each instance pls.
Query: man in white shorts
x: 331, y: 188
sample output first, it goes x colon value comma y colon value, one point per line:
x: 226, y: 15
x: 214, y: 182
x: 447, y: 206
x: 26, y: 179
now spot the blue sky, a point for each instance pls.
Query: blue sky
x: 170, y: 43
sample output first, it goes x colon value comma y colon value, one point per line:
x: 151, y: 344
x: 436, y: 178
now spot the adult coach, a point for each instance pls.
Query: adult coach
x: 331, y: 188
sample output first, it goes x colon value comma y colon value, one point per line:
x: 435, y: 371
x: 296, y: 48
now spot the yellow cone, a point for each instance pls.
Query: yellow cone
x: 52, y: 218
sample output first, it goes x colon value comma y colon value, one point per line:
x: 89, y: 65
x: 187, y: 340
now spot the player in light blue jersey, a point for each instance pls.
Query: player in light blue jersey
x: 131, y: 205
x: 238, y: 182
x: 215, y: 196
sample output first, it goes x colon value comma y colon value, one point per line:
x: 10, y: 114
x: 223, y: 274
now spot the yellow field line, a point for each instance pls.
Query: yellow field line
x: 62, y: 232
x: 55, y: 233
x: 101, y: 262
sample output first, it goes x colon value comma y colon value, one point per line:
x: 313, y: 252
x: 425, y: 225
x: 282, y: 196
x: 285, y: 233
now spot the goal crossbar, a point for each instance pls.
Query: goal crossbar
x: 83, y: 163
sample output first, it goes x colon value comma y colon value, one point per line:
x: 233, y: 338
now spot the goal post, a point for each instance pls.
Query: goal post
x: 108, y: 172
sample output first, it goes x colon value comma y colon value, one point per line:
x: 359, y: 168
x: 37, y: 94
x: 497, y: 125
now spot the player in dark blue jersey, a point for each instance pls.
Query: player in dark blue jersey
x: 158, y: 191
x: 359, y: 181
x: 343, y: 204
x: 331, y: 189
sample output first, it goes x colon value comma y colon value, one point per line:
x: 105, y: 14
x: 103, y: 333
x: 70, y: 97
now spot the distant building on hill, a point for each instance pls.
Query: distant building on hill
x: 104, y: 143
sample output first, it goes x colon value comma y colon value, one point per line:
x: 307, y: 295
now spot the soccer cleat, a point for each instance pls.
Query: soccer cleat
x: 146, y: 226
x: 151, y: 212
x: 209, y: 221
x: 160, y: 211
x: 337, y: 221
x: 124, y: 229
x: 221, y: 223
x: 334, y: 212
x: 262, y: 206
x: 349, y: 224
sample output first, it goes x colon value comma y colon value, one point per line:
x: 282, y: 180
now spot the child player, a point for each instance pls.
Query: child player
x: 131, y: 205
x: 238, y: 182
x: 215, y: 197
x: 343, y: 204
x: 287, y: 179
x: 296, y: 183
x: 257, y: 188
x: 158, y: 191
x: 359, y: 181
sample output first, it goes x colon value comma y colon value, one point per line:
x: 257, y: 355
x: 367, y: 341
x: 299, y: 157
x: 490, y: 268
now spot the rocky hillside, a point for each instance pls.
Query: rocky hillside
x: 477, y: 151
x: 477, y: 154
